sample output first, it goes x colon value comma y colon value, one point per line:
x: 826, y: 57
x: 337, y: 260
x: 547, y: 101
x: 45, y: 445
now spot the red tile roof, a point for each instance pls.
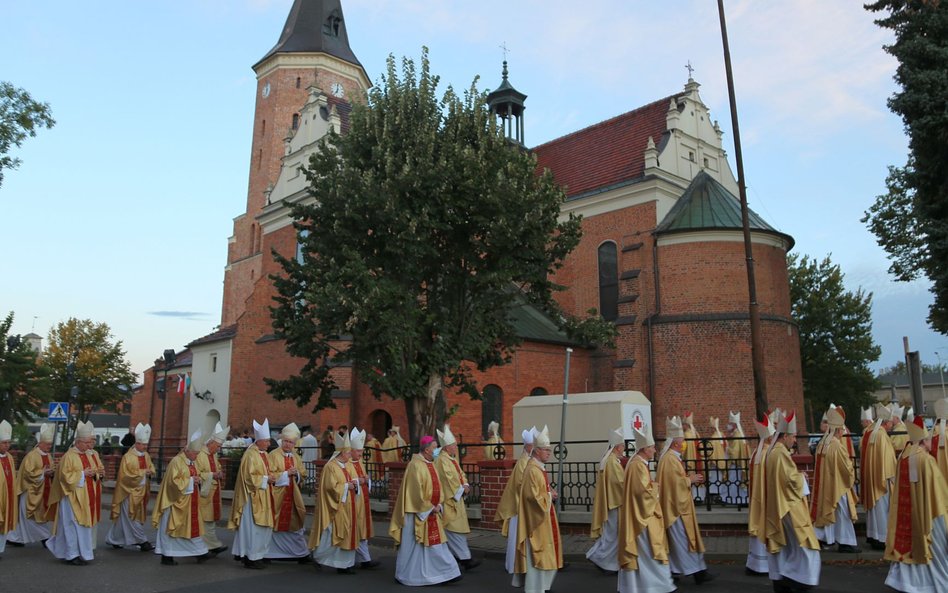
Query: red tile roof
x: 606, y: 153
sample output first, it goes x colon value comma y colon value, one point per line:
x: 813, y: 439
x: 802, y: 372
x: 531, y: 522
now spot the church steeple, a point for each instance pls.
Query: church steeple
x: 507, y: 103
x: 315, y: 26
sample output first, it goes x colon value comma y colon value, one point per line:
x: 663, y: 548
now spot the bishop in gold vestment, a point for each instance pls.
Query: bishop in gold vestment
x: 607, y: 505
x: 288, y: 541
x: 391, y: 447
x: 36, y: 482
x: 177, y: 514
x: 940, y: 437
x: 334, y: 535
x: 757, y: 554
x: 878, y: 469
x: 212, y: 477
x: 9, y: 488
x: 738, y: 454
x: 643, y: 550
x: 833, y: 501
x: 455, y: 485
x: 539, y: 544
x: 794, y: 561
x: 76, y: 499
x: 363, y: 507
x: 130, y: 498
x: 417, y: 524
x: 251, y: 513
x: 509, y: 503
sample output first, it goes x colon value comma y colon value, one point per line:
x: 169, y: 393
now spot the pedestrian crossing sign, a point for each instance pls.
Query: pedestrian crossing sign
x: 58, y: 411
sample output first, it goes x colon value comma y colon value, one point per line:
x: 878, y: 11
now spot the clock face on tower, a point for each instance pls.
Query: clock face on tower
x: 266, y: 90
x: 337, y: 89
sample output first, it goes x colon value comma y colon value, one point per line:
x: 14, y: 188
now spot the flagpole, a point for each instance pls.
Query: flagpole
x: 559, y: 479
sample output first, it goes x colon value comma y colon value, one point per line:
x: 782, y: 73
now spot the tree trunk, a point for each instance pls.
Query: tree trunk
x: 423, y: 412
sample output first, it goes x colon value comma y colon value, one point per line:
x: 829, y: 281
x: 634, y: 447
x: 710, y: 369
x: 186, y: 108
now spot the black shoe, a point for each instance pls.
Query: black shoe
x: 454, y: 580
x: 168, y: 561
x: 370, y: 564
x: 753, y: 573
x: 116, y: 547
x: 239, y: 558
x: 877, y: 545
x: 15, y: 544
x: 782, y: 586
x: 824, y: 546
x: 676, y: 578
x: 304, y: 560
x: 847, y: 549
x: 217, y: 551
x: 565, y: 566
x: 703, y: 577
x: 203, y: 558
x: 44, y: 542
x: 253, y: 564
x: 345, y: 571
x: 471, y: 563
x: 77, y: 561
x: 146, y: 547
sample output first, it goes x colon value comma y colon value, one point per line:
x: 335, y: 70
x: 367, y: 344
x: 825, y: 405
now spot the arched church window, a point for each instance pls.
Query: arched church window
x: 298, y: 82
x: 492, y: 406
x: 539, y: 391
x: 331, y: 27
x: 608, y: 281
x: 296, y: 121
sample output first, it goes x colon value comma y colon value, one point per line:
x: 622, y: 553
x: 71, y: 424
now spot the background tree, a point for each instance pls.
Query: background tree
x: 899, y: 369
x: 101, y: 373
x: 836, y: 346
x: 20, y: 116
x: 23, y: 386
x: 910, y: 221
x: 427, y: 229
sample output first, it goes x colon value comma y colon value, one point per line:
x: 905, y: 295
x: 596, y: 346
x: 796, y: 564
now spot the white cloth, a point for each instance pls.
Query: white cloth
x: 604, y: 552
x: 71, y: 539
x: 27, y: 530
x: 330, y: 555
x: 757, y: 555
x: 251, y: 541
x: 535, y: 580
x: 210, y: 536
x: 681, y: 560
x: 877, y: 519
x: 362, y: 552
x: 310, y: 448
x: 125, y: 531
x: 417, y: 565
x: 651, y: 577
x: 511, y: 544
x: 288, y: 544
x: 166, y: 545
x: 842, y: 530
x: 793, y: 561
x: 924, y: 578
x: 457, y: 543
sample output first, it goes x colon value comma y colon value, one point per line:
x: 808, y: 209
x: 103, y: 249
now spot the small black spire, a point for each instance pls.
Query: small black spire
x: 507, y: 103
x: 315, y: 26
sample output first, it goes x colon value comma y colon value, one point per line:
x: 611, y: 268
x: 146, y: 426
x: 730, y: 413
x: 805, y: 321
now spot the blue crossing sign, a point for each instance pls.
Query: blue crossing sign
x: 58, y: 411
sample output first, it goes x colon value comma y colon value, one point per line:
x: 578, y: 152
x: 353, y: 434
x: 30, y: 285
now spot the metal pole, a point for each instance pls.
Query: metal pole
x: 941, y: 373
x: 559, y: 479
x: 757, y: 351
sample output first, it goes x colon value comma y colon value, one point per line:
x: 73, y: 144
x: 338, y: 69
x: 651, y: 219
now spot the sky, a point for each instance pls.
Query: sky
x: 121, y: 212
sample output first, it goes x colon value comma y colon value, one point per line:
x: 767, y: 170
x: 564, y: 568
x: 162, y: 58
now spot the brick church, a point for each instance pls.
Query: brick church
x: 662, y: 257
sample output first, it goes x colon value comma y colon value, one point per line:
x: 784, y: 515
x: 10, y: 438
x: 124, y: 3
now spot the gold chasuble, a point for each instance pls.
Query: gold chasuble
x: 37, y: 486
x: 363, y: 507
x: 491, y: 447
x: 835, y: 478
x: 757, y: 509
x: 394, y: 454
x: 939, y: 448
x: 86, y: 501
x: 689, y: 450
x: 420, y: 491
x: 184, y: 520
x: 331, y: 510
x: 510, y: 499
x: 452, y: 478
x: 899, y: 441
x: 254, y: 467
x: 207, y: 466
x: 641, y: 512
x: 738, y: 449
x: 877, y: 465
x: 609, y: 485
x: 290, y: 513
x: 132, y: 483
x: 537, y: 521
x: 9, y: 491
x: 676, y: 500
x: 914, y: 506
x: 784, y: 495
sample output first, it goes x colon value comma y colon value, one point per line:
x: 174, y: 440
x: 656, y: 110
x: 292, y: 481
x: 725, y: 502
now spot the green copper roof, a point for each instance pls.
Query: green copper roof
x: 708, y: 205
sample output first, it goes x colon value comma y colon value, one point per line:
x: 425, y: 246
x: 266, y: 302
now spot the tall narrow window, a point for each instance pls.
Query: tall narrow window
x: 213, y: 363
x: 296, y: 121
x: 298, y: 82
x: 492, y: 406
x: 608, y: 281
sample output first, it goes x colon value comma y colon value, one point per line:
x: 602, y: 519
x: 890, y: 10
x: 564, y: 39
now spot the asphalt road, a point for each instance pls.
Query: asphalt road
x: 33, y: 569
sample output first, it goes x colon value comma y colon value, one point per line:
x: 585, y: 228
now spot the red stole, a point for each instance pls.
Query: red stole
x: 266, y: 466
x: 815, y: 496
x: 195, y: 504
x: 8, y: 477
x: 365, y: 498
x: 143, y: 465
x: 553, y: 522
x: 903, y: 528
x: 352, y: 509
x: 216, y: 492
x: 286, y: 508
x: 93, y: 490
x: 434, y: 536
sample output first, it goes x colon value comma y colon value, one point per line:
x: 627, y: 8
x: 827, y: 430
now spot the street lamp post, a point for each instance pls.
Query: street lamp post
x: 169, y: 358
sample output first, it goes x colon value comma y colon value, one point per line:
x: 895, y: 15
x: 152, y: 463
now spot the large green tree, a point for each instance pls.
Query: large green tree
x: 23, y: 385
x: 20, y: 116
x: 82, y: 354
x: 425, y: 229
x: 910, y: 221
x: 836, y: 345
